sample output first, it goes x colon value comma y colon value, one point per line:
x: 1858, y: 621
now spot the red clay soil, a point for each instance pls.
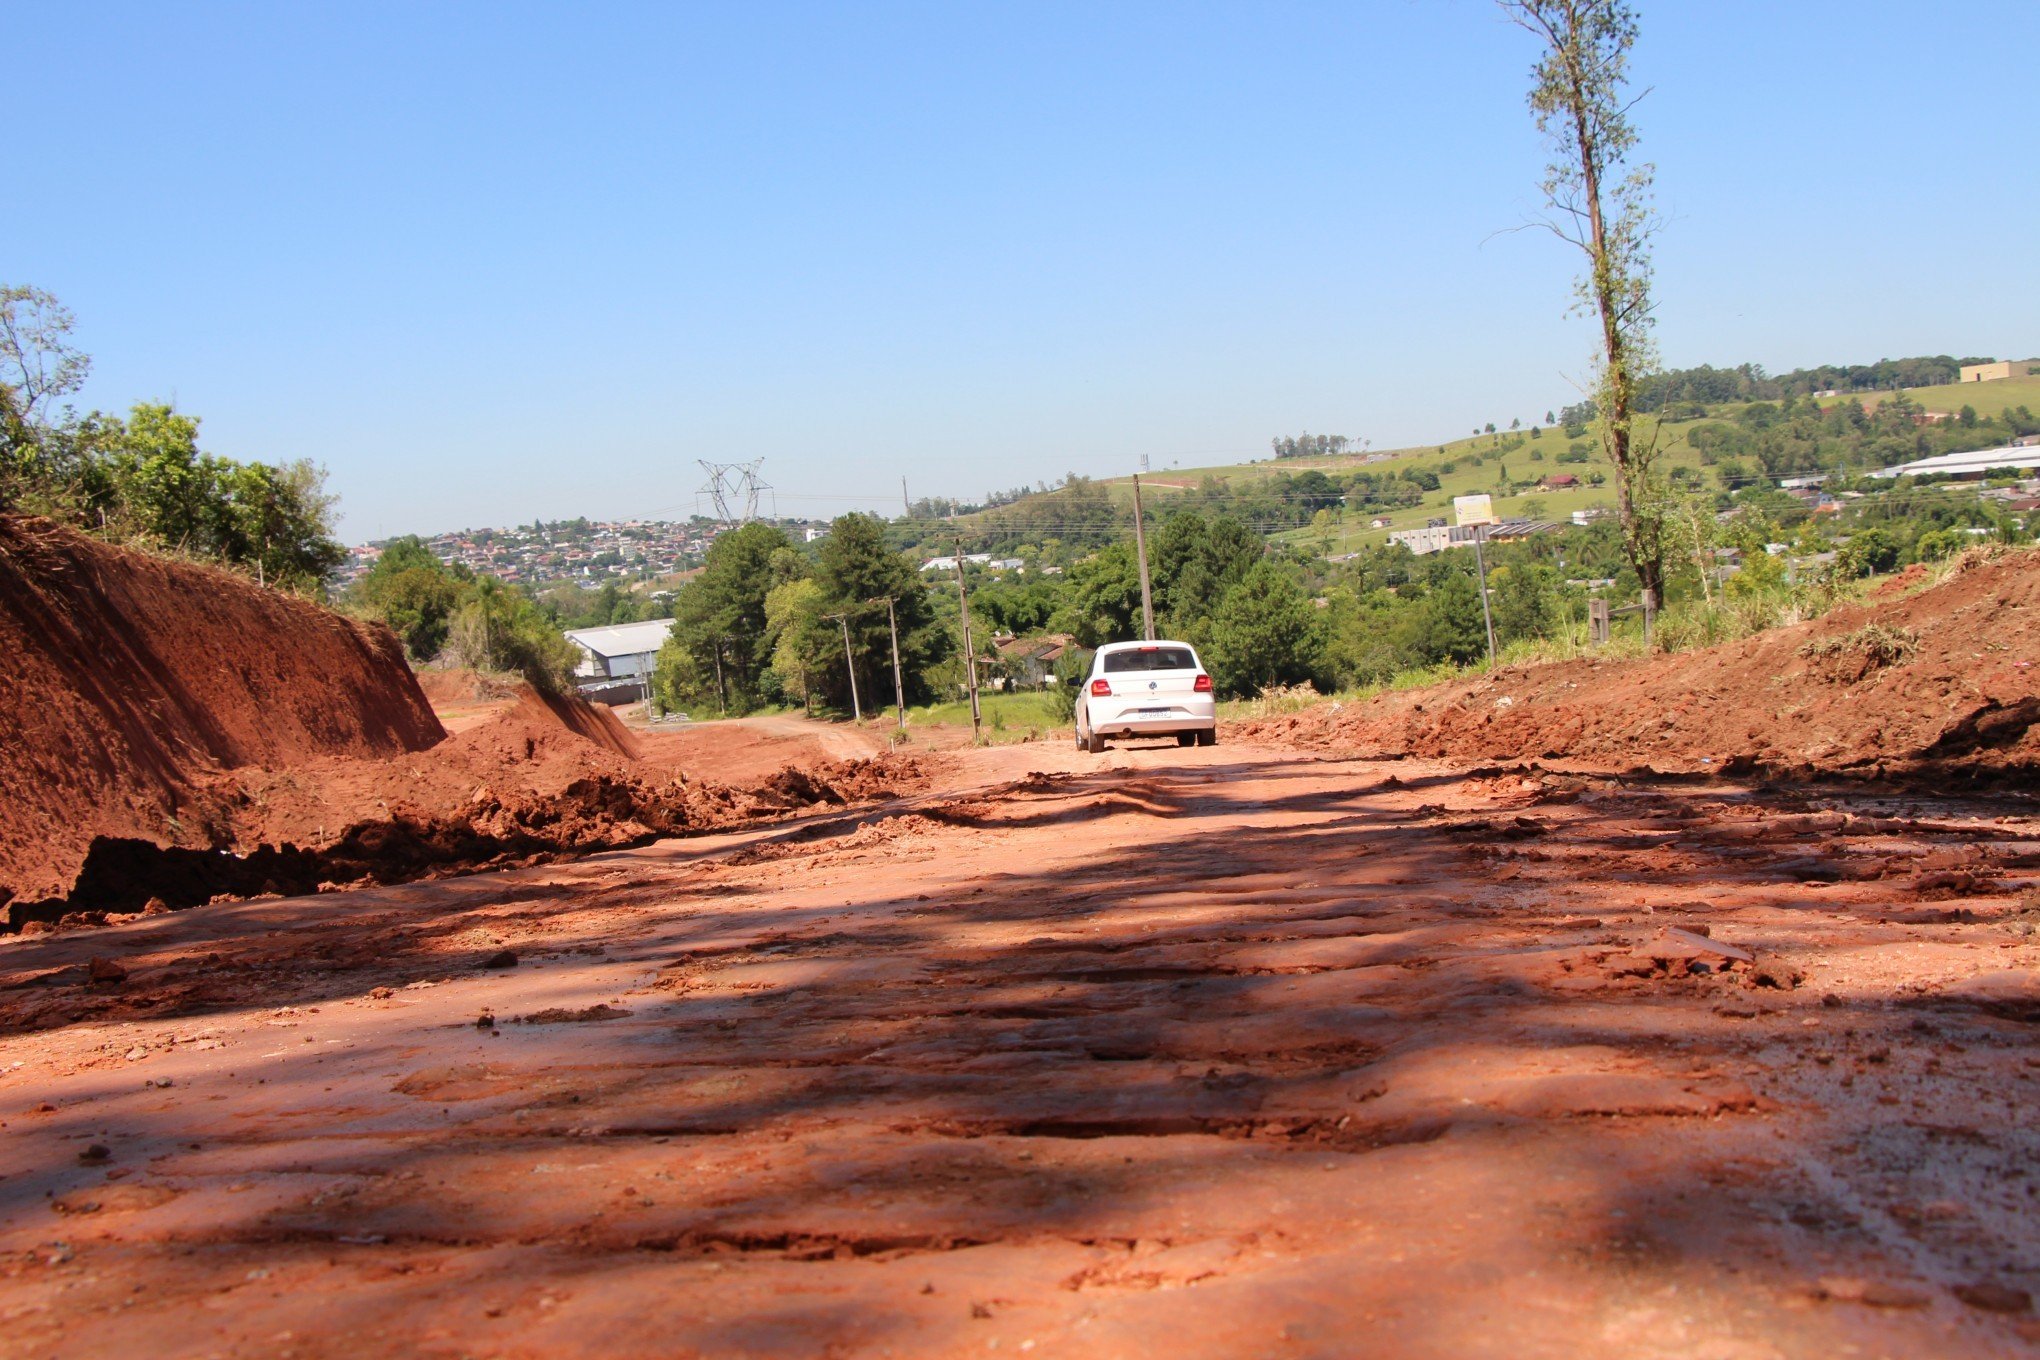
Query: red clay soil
x: 593, y: 722
x: 158, y: 713
x: 522, y: 786
x: 748, y: 751
x: 546, y: 774
x: 458, y: 686
x: 1816, y: 698
x: 466, y: 698
x: 131, y: 678
x: 1204, y: 1054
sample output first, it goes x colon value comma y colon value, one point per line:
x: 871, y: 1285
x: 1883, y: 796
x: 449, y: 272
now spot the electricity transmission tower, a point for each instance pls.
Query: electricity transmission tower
x: 731, y: 484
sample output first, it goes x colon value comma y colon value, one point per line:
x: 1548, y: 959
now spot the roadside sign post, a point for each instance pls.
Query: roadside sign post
x: 1487, y: 617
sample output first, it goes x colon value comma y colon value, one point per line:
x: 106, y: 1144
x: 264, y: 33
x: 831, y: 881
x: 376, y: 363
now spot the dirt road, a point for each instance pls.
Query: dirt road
x: 1227, y: 1053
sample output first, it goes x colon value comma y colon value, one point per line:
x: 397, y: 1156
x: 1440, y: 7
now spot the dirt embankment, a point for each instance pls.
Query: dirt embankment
x: 545, y: 775
x: 1937, y: 685
x: 130, y: 678
x: 157, y: 714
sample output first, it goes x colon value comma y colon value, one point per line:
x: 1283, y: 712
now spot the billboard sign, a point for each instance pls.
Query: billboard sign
x: 1474, y: 509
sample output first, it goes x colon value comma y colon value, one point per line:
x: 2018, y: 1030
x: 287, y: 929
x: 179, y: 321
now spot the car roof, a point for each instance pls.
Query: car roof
x: 1146, y: 646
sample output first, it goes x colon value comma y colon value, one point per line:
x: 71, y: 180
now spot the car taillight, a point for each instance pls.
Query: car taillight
x: 1203, y: 685
x: 1101, y: 686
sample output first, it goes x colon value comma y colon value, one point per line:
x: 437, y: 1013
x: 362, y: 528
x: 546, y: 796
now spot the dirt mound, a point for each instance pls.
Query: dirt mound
x: 590, y: 721
x: 465, y: 699
x: 456, y: 686
x: 131, y: 680
x: 1933, y: 685
x: 158, y: 714
x: 523, y: 786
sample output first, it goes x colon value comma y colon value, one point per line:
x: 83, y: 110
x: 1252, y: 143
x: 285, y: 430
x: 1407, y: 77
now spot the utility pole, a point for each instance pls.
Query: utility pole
x: 722, y: 698
x: 856, y: 706
x: 1480, y: 559
x: 899, y: 689
x: 1147, y: 598
x: 905, y: 505
x: 969, y: 655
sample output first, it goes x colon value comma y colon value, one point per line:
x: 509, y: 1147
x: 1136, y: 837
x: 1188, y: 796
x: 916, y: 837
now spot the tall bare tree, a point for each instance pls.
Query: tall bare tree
x: 1600, y: 204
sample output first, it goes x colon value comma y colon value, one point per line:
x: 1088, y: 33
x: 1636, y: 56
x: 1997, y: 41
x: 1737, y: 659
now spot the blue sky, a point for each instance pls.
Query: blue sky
x: 496, y: 262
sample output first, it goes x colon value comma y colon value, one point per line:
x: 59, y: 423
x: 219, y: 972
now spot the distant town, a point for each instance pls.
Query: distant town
x: 581, y: 552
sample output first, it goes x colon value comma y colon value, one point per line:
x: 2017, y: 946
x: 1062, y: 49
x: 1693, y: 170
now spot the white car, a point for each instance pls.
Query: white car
x: 1146, y: 689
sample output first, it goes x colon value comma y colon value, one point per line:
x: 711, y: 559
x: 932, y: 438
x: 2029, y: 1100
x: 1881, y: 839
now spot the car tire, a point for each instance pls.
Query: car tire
x: 1186, y: 738
x: 1095, y: 744
x: 1209, y: 738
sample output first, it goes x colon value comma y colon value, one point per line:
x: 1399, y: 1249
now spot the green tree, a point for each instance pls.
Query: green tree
x: 280, y: 517
x: 804, y: 644
x: 414, y: 593
x: 38, y: 362
x: 1450, y: 626
x: 1104, y: 598
x: 1265, y: 632
x: 1194, y: 561
x: 1935, y: 544
x: 447, y: 613
x: 497, y: 627
x: 1522, y: 597
x: 721, y: 647
x: 1761, y: 574
x: 858, y: 572
x: 1869, y: 552
x: 38, y: 366
x: 146, y: 478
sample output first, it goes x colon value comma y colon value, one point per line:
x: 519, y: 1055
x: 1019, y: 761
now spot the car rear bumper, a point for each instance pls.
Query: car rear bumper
x: 1130, y: 722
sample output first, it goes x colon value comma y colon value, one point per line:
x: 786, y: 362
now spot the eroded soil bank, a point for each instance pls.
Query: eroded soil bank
x: 1240, y: 1052
x: 173, y: 733
x: 1936, y: 685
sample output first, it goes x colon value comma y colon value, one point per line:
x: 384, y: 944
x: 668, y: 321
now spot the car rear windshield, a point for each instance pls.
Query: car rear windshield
x: 1151, y: 659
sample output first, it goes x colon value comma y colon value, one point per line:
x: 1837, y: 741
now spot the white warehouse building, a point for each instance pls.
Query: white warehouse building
x: 619, y: 651
x: 2018, y: 457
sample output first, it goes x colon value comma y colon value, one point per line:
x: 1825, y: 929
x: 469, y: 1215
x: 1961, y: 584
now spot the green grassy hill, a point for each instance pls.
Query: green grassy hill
x: 1476, y: 463
x: 1988, y: 398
